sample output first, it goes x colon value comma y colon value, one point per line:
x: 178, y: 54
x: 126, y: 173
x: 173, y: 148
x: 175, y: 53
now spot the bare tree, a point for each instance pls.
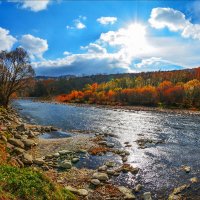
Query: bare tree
x: 15, y: 72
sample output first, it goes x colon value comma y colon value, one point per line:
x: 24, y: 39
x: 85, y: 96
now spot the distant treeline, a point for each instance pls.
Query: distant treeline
x: 172, y: 88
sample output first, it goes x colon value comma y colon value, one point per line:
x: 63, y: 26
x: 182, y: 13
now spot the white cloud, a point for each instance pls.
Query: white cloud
x: 78, y: 23
x: 6, y: 40
x: 192, y: 30
x: 34, y: 45
x: 33, y: 5
x: 107, y: 20
x: 174, y: 20
x: 94, y: 48
x: 154, y: 64
x: 168, y: 17
x: 82, y: 64
x: 66, y: 53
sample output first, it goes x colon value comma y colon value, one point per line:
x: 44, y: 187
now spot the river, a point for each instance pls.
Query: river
x: 160, y: 164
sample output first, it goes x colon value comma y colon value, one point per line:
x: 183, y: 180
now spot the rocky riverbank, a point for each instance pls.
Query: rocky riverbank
x: 58, y: 159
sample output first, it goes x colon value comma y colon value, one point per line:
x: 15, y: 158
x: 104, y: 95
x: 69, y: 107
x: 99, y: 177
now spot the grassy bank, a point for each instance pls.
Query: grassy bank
x: 25, y: 183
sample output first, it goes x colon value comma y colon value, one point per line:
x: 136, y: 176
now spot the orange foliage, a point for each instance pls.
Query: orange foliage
x: 167, y: 93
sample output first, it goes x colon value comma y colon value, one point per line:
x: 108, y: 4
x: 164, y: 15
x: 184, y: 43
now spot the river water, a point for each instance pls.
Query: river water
x: 160, y: 164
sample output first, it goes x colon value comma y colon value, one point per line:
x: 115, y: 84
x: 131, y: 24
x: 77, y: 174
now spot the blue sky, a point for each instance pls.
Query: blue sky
x: 91, y: 37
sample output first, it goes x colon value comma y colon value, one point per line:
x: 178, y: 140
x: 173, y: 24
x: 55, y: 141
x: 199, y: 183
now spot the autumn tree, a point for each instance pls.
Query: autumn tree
x: 15, y: 71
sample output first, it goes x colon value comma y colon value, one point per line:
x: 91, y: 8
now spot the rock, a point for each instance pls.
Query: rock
x: 71, y: 189
x: 3, y: 128
x: 180, y: 189
x: 45, y: 167
x: 82, y: 151
x: 82, y: 192
x: 3, y: 137
x: 48, y: 156
x: 18, y: 136
x: 127, y: 153
x: 27, y: 158
x: 127, y: 192
x: 28, y: 143
x: 31, y: 134
x: 66, y: 164
x: 124, y: 159
x: 56, y: 155
x: 21, y: 128
x: 18, y: 150
x: 95, y: 182
x: 110, y: 145
x: 100, y: 176
x: 187, y: 169
x: 21, y: 164
x: 16, y: 142
x: 38, y: 161
x: 75, y: 160
x: 102, y: 168
x: 194, y: 180
x: 53, y: 128
x: 126, y: 142
x: 147, y: 196
x: 110, y: 164
x: 64, y: 152
x: 110, y: 172
x: 138, y: 187
x: 102, y: 142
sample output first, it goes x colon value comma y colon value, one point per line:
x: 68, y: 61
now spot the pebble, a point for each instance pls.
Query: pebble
x: 100, y: 176
x: 95, y: 182
x: 82, y: 192
x: 74, y: 160
x: 147, y: 196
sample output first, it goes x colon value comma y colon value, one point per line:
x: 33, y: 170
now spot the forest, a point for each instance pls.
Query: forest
x: 179, y: 88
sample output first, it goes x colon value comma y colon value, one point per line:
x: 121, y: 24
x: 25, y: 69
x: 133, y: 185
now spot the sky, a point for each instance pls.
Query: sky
x: 91, y: 37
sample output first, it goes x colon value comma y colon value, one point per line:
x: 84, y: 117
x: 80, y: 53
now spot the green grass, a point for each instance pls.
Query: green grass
x: 27, y: 184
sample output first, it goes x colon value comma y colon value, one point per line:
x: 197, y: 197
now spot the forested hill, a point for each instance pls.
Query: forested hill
x: 51, y: 86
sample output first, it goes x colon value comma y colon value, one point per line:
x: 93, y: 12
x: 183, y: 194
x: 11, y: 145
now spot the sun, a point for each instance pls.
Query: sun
x: 135, y: 40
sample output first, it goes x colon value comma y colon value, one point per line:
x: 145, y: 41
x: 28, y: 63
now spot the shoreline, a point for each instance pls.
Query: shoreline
x: 123, y: 107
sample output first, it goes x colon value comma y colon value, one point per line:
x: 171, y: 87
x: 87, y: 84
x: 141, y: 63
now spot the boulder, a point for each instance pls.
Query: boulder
x: 187, y: 169
x: 110, y: 164
x: 124, y: 159
x: 18, y: 150
x: 127, y: 193
x: 31, y: 134
x: 110, y: 145
x: 75, y: 160
x: 102, y: 142
x: 28, y: 143
x: 102, y: 168
x: 16, y: 142
x: 66, y: 164
x: 147, y: 196
x: 3, y: 137
x: 64, y: 152
x: 100, y: 176
x: 194, y: 180
x: 38, y: 161
x: 95, y: 182
x: 71, y: 189
x: 110, y: 172
x: 82, y: 192
x: 27, y: 158
x: 138, y: 187
x: 56, y: 155
x: 21, y: 128
x: 18, y: 136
